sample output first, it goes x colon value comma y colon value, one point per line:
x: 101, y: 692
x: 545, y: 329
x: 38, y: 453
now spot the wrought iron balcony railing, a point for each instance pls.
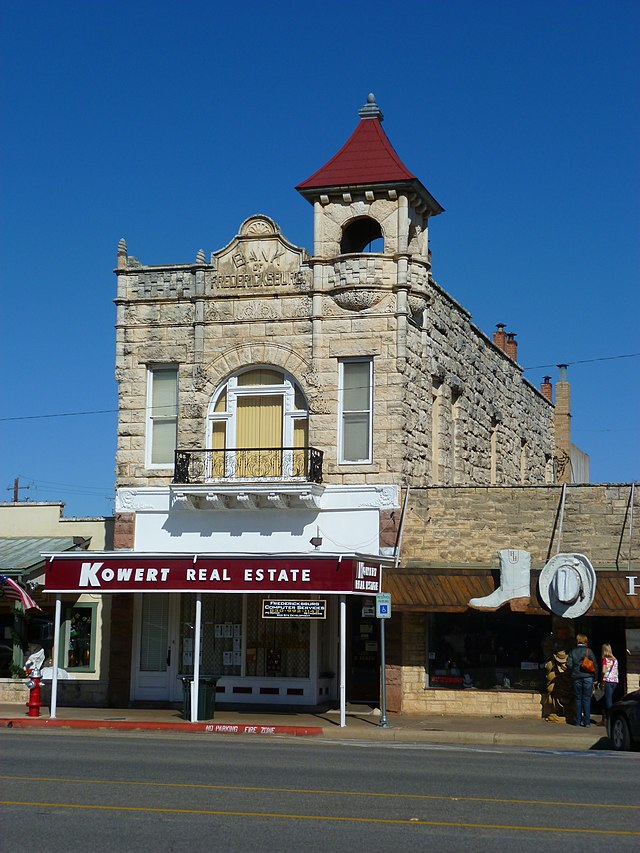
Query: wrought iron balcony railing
x: 248, y: 463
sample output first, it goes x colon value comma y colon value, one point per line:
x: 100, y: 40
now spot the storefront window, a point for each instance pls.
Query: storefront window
x: 7, y: 645
x: 487, y: 651
x: 220, y: 637
x: 79, y: 637
x: 276, y: 648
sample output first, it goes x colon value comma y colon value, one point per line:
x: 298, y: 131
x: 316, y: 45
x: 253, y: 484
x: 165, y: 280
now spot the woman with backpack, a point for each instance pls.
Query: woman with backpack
x: 609, y: 679
x: 583, y: 667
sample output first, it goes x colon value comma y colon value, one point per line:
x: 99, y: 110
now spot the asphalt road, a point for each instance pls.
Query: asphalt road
x: 112, y: 792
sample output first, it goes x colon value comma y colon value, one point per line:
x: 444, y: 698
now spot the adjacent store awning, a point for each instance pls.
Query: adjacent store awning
x: 448, y: 590
x: 128, y: 571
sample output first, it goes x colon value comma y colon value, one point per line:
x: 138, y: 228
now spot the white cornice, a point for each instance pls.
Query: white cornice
x: 258, y: 496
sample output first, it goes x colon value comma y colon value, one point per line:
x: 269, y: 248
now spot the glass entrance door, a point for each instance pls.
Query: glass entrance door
x: 363, y: 651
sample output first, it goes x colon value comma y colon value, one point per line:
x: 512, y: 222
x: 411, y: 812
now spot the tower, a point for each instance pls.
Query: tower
x: 370, y: 223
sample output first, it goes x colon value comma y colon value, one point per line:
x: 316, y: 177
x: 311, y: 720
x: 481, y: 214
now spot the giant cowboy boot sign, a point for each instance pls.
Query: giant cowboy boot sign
x: 515, y: 570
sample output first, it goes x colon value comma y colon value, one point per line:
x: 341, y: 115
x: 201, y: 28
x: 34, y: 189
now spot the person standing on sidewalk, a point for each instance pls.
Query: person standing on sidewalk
x: 609, y: 681
x: 583, y: 667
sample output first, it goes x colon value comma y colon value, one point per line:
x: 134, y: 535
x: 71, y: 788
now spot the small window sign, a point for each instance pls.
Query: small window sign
x: 294, y: 609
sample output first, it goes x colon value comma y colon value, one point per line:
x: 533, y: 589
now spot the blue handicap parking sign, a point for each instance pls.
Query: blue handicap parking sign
x: 383, y: 605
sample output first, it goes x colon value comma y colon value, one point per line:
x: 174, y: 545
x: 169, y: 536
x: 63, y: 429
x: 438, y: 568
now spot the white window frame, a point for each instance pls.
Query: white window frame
x: 341, y: 412
x: 151, y: 370
x: 285, y: 390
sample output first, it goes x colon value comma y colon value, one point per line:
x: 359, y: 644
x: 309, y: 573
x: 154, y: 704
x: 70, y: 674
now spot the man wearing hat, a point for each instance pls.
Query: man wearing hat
x: 583, y: 667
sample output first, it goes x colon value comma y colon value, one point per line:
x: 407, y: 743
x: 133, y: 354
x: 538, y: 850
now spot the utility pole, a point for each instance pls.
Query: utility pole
x: 16, y: 489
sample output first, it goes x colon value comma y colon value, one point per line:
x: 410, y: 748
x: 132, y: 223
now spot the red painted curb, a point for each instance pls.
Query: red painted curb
x: 127, y: 726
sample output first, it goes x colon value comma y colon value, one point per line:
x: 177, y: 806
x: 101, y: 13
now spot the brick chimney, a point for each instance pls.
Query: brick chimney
x: 499, y: 337
x: 511, y: 347
x: 546, y: 389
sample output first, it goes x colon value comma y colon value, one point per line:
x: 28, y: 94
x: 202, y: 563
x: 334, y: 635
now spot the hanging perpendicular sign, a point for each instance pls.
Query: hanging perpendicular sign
x: 383, y: 605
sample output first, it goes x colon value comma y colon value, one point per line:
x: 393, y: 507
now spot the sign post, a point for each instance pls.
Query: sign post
x: 383, y: 612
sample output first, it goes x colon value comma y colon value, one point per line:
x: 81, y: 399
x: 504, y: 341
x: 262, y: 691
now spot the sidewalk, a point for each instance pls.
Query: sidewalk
x: 361, y: 725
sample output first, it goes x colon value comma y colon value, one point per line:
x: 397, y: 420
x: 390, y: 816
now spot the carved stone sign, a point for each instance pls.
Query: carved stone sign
x: 259, y: 257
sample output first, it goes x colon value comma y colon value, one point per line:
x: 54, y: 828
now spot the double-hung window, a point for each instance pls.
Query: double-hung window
x: 356, y: 383
x: 162, y: 415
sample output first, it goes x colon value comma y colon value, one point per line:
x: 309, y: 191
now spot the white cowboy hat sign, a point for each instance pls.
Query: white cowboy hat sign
x: 567, y: 585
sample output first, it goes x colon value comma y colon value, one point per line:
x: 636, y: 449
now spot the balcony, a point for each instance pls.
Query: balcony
x: 247, y: 478
x: 248, y: 464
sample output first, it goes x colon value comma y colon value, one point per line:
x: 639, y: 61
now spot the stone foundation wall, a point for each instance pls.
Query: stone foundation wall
x: 13, y: 690
x: 76, y: 694
x: 482, y: 703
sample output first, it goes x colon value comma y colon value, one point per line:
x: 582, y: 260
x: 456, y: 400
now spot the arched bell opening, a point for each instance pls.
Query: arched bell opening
x: 362, y: 235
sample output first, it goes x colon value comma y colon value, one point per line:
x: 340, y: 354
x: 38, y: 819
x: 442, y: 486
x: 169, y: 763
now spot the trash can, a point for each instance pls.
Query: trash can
x: 206, y: 696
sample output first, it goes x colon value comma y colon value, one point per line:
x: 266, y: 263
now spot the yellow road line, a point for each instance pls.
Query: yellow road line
x: 264, y: 789
x: 285, y: 816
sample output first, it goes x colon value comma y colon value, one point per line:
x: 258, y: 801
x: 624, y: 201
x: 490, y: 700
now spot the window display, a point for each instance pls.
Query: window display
x: 503, y: 651
x: 80, y: 637
x: 277, y: 648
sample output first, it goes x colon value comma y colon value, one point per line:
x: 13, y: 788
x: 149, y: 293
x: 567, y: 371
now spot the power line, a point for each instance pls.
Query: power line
x: 99, y: 490
x: 60, y: 415
x: 584, y: 361
x: 325, y: 387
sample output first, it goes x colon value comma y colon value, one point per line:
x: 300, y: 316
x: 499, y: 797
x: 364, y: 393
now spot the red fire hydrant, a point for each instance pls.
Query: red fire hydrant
x: 34, y: 703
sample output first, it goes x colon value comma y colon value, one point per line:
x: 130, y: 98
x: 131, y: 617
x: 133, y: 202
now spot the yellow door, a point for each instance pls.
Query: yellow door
x: 259, y: 436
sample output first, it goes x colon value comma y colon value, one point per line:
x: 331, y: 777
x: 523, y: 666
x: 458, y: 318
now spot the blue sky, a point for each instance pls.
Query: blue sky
x: 170, y: 123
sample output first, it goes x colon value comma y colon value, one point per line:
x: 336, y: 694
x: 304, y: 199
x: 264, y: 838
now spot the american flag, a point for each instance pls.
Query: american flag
x: 14, y: 592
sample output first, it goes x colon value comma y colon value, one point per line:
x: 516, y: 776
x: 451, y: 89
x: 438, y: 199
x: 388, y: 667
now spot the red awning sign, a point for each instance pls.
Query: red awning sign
x: 94, y: 572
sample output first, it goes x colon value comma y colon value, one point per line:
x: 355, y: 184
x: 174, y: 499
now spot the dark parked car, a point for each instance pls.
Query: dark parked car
x: 623, y: 724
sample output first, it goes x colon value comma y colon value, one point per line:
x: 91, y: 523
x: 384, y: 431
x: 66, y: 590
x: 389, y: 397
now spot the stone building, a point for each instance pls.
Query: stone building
x: 441, y: 403
x: 276, y: 407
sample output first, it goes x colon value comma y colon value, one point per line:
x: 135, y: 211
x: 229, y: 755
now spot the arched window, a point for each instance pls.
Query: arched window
x: 362, y: 235
x: 258, y: 426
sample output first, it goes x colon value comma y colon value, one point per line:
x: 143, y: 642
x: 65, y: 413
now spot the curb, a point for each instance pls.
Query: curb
x: 188, y: 728
x: 392, y: 735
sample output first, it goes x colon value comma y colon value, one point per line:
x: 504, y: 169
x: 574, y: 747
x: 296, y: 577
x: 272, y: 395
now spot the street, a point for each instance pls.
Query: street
x: 112, y: 792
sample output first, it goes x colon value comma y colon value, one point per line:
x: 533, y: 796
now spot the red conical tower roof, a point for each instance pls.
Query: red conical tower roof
x: 366, y: 159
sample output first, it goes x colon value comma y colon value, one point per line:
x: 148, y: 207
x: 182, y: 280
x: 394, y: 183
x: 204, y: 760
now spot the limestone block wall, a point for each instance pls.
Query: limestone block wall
x: 479, y: 389
x: 207, y: 340
x: 482, y: 703
x: 14, y: 691
x: 338, y: 212
x: 84, y: 694
x: 262, y: 301
x: 78, y: 694
x: 347, y: 334
x: 468, y: 524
